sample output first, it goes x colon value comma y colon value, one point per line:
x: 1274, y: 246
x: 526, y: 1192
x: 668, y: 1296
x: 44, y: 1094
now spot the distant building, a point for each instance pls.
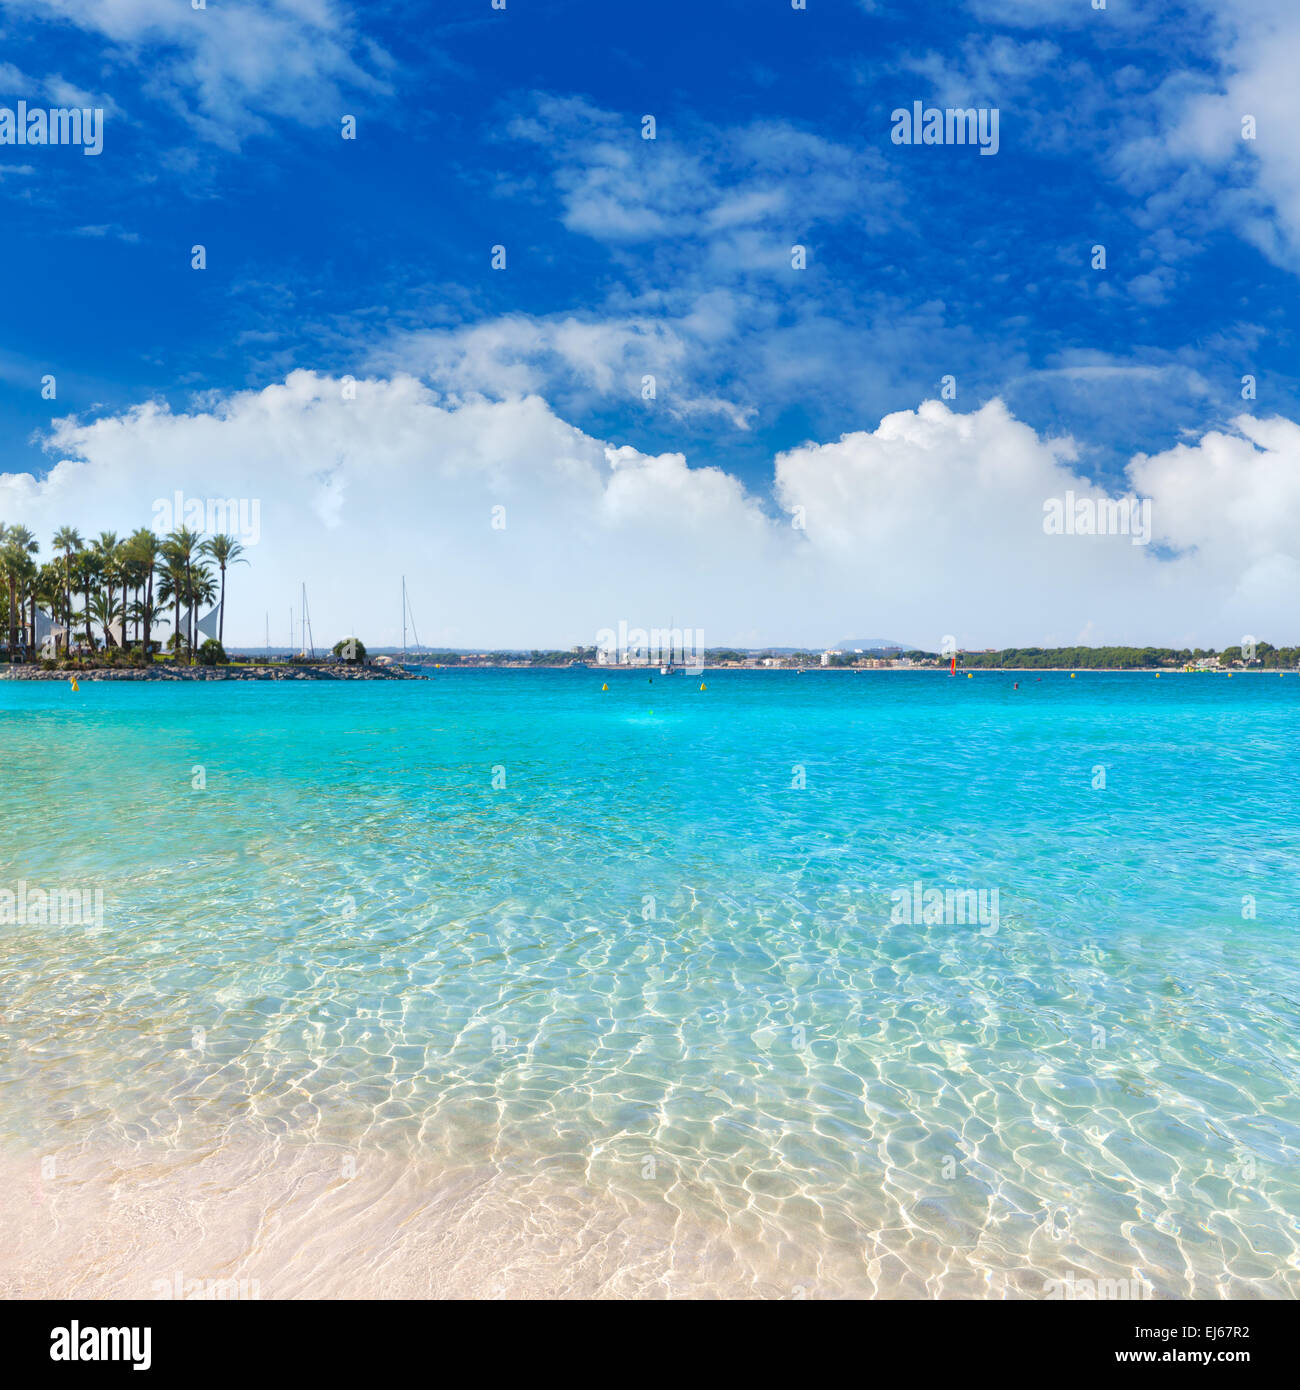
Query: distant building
x: 826, y: 656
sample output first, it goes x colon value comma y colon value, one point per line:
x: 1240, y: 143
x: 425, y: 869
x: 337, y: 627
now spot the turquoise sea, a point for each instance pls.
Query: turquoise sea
x: 496, y: 982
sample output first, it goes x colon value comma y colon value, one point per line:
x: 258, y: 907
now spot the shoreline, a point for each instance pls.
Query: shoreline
x: 281, y: 672
x: 268, y: 672
x: 241, y: 1216
x: 874, y: 670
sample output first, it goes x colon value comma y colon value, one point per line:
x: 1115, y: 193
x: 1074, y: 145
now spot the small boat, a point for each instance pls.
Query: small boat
x: 670, y: 667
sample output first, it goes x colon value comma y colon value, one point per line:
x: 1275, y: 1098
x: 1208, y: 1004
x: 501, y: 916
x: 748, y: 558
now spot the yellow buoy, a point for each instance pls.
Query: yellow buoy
x: 970, y: 675
x: 703, y: 686
x: 72, y: 681
x: 605, y: 686
x: 1073, y: 674
x: 1157, y: 675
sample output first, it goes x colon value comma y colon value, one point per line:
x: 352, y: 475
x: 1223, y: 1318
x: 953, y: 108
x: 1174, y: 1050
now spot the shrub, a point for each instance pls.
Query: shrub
x: 350, y: 649
x: 212, y: 653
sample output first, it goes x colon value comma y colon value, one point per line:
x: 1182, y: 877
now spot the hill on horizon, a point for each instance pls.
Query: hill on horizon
x: 870, y: 644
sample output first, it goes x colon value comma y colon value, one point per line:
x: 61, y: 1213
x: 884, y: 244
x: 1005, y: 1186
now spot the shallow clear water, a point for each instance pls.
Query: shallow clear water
x: 638, y: 1020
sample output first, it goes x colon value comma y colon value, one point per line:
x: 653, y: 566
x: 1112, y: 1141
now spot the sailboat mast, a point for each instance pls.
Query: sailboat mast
x: 403, y: 617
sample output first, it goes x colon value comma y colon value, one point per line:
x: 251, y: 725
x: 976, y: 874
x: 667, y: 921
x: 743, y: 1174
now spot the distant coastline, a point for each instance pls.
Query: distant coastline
x: 282, y: 671
x: 1253, y: 655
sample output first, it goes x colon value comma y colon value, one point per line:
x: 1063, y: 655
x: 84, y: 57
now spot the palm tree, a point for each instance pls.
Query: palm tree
x: 179, y: 551
x: 6, y: 567
x: 106, y: 613
x: 172, y: 584
x: 203, y: 591
x: 225, y: 550
x: 145, y: 615
x: 17, y: 546
x: 145, y: 549
x: 27, y: 577
x: 109, y: 551
x: 69, y: 542
x: 86, y: 570
x: 5, y: 572
x: 46, y: 588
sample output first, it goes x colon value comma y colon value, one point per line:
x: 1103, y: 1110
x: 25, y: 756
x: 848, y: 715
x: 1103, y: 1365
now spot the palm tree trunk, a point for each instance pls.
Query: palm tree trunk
x: 221, y: 617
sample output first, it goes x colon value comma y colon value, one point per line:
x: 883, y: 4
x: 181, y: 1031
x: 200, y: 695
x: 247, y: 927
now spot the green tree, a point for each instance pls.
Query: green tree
x: 86, y: 571
x: 109, y: 552
x: 17, y: 546
x: 180, y: 551
x: 225, y: 550
x: 67, y: 542
x: 144, y: 551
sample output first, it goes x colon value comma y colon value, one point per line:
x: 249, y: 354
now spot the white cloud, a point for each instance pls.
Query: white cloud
x: 577, y: 359
x: 233, y: 66
x: 929, y: 524
x: 1182, y: 146
x: 742, y: 193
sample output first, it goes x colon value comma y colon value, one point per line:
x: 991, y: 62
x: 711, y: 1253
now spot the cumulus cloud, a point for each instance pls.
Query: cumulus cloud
x: 930, y: 524
x: 624, y: 354
x: 355, y: 493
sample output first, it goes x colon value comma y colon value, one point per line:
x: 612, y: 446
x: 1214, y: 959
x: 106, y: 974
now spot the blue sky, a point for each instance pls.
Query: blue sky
x: 670, y: 257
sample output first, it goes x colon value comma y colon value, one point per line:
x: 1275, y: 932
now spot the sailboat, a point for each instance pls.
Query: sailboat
x: 669, y: 668
x: 407, y: 610
x: 308, y: 647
